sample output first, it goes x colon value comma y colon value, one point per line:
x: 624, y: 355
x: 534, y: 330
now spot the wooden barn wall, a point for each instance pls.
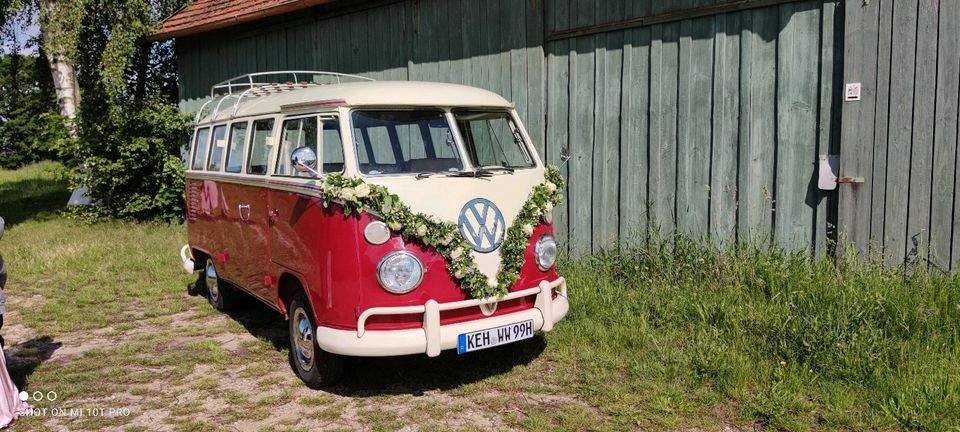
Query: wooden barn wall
x: 708, y: 126
x: 901, y: 137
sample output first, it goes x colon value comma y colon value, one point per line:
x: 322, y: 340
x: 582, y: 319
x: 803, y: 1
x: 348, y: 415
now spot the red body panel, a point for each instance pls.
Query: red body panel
x: 327, y: 252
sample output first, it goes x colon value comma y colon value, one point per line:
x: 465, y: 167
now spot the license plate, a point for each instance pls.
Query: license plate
x: 492, y: 337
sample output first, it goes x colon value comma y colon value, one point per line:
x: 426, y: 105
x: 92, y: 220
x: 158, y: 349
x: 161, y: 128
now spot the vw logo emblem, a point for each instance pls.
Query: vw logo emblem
x: 481, y: 224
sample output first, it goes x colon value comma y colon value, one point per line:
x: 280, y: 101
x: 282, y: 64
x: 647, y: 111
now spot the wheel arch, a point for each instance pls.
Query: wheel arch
x: 288, y: 285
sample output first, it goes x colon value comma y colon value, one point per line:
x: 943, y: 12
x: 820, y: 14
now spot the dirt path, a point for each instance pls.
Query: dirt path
x: 200, y: 370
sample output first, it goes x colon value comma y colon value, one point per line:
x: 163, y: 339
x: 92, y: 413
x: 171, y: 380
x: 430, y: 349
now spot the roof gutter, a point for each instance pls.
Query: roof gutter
x: 291, y: 6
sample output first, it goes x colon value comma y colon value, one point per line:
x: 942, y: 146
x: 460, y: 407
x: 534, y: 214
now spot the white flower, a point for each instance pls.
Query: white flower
x: 548, y: 207
x: 536, y: 211
x: 527, y: 229
x: 446, y: 239
x: 457, y: 253
x: 459, y: 274
x: 550, y: 186
x: 347, y: 193
x: 492, y: 281
x: 363, y: 190
x: 395, y: 226
x: 421, y: 230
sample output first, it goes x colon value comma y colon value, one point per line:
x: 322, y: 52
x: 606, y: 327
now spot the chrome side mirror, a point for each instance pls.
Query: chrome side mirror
x: 2, y: 225
x: 304, y: 160
x: 564, y: 154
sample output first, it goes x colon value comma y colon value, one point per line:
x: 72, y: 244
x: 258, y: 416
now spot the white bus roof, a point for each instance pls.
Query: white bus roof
x: 352, y: 94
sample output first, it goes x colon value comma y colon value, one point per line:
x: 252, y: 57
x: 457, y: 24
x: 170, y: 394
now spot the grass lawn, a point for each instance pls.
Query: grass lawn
x: 670, y: 338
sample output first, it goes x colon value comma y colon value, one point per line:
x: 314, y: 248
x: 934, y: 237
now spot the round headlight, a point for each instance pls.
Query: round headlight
x: 400, y: 272
x: 546, y: 252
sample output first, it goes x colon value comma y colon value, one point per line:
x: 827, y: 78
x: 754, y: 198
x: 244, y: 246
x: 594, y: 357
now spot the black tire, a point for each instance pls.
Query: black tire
x: 317, y: 368
x: 219, y: 293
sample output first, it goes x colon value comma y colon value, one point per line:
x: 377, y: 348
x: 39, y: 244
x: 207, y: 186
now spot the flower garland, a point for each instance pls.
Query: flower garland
x: 355, y: 195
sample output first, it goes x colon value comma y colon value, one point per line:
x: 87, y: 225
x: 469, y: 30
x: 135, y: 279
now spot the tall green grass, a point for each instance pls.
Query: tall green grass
x: 678, y: 330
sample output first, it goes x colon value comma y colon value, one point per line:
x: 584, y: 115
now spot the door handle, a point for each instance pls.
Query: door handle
x: 244, y: 207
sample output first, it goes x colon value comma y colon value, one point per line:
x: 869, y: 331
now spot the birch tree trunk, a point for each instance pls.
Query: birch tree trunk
x: 61, y: 67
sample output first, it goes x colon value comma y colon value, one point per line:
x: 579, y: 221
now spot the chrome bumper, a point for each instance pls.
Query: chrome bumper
x: 432, y: 337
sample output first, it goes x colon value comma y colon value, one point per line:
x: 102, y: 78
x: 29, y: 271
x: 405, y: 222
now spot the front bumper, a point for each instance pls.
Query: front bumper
x: 433, y: 337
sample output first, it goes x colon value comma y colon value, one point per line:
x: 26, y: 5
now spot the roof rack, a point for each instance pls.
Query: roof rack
x: 252, y: 85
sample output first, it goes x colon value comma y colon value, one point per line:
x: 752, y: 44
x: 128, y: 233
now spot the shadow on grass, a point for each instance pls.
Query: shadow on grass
x: 377, y: 376
x: 23, y: 358
x: 32, y: 199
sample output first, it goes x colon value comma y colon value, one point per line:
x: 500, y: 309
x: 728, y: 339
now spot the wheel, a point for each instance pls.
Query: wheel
x: 219, y: 293
x: 317, y: 368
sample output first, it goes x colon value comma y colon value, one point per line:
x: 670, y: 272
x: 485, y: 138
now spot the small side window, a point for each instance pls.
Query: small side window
x: 238, y: 137
x: 296, y: 133
x: 200, y: 148
x: 332, y: 146
x: 215, y: 163
x: 260, y: 147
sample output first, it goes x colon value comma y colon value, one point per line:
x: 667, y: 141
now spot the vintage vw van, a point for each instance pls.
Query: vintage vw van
x: 380, y: 218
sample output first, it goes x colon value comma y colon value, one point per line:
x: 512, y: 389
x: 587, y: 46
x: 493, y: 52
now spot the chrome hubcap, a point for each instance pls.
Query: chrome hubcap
x: 213, y: 286
x: 303, y: 339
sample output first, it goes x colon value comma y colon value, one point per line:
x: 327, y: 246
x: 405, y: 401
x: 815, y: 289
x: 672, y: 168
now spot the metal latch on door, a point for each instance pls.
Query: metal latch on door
x: 829, y: 173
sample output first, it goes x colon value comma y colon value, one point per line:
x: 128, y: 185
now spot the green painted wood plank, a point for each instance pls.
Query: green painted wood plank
x: 581, y: 126
x: 903, y: 62
x: 798, y: 55
x: 945, y: 141
x: 582, y: 70
x: 534, y: 57
x: 881, y: 126
x: 398, y: 44
x: 831, y: 85
x: 502, y: 53
x: 757, y: 123
x: 453, y: 67
x: 514, y: 36
x: 377, y: 43
x: 694, y: 134
x: 726, y: 109
x: 356, y: 43
x: 634, y: 132
x: 921, y: 152
x: 663, y: 127
x: 447, y: 34
x: 558, y: 105
x: 606, y: 156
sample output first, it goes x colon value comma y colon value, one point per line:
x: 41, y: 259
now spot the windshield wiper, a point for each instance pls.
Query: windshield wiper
x: 474, y: 173
x: 494, y: 168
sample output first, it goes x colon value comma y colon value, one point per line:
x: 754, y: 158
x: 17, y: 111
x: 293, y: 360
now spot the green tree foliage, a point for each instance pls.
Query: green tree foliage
x: 28, y: 111
x: 130, y: 131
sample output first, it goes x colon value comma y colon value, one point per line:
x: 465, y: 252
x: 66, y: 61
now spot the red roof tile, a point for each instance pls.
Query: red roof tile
x: 205, y: 15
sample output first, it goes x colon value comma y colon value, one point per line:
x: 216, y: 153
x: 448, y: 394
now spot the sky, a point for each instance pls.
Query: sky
x: 21, y: 36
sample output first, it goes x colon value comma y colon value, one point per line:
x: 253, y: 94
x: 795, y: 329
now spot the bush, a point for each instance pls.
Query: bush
x: 130, y: 161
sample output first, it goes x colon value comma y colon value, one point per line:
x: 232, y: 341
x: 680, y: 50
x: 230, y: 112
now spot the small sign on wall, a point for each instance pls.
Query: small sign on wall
x: 852, y: 92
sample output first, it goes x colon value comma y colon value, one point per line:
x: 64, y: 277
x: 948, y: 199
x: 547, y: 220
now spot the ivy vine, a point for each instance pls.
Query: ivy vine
x: 356, y: 195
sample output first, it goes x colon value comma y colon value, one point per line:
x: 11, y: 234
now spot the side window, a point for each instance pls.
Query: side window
x: 260, y: 147
x: 296, y: 133
x: 238, y: 137
x: 332, y: 146
x: 200, y: 148
x: 215, y: 163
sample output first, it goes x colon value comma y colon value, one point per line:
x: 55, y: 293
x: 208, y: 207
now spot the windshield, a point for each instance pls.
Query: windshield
x: 492, y: 139
x: 404, y: 142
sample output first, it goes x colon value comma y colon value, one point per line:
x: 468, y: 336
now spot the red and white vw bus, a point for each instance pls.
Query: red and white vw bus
x: 353, y: 275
